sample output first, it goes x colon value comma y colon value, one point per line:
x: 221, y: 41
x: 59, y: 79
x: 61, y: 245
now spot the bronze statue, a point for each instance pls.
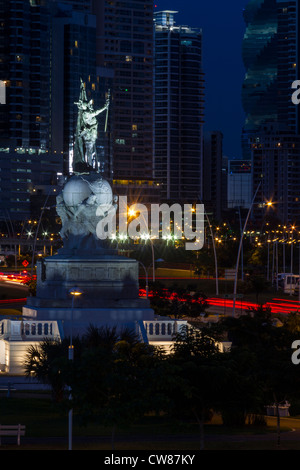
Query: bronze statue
x: 85, y: 155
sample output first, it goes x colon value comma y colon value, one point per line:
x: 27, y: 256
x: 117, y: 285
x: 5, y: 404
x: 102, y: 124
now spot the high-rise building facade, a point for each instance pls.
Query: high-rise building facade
x: 239, y: 184
x: 276, y: 155
x: 271, y: 131
x: 270, y: 54
x: 259, y: 51
x: 25, y: 69
x: 179, y: 114
x: 25, y: 160
x: 73, y: 58
x: 288, y: 62
x: 46, y: 49
x: 79, y: 5
x: 125, y: 47
x: 214, y: 199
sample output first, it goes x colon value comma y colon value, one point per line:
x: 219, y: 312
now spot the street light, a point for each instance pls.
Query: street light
x: 146, y: 236
x: 74, y: 293
x: 38, y: 226
x: 214, y: 249
x: 146, y: 275
x: 239, y: 250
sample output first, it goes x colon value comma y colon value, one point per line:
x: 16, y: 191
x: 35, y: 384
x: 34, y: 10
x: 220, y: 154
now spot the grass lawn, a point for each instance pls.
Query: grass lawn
x: 47, y: 429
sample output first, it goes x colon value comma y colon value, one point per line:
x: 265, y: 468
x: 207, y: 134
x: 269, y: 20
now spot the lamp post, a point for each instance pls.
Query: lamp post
x: 283, y: 254
x: 147, y: 237
x: 214, y: 249
x: 242, y: 250
x: 268, y: 261
x: 239, y: 250
x: 299, y: 277
x: 292, y: 245
x: 153, y: 261
x: 298, y: 282
x: 37, y: 230
x: 75, y: 293
x: 146, y: 274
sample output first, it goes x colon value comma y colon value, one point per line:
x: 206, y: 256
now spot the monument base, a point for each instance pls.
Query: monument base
x: 78, y: 320
x: 109, y: 293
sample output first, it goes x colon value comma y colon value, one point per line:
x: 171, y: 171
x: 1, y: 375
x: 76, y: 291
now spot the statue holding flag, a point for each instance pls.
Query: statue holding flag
x: 85, y: 155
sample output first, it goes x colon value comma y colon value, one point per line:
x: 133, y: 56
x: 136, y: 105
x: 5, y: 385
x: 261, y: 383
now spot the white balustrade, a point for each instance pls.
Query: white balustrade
x: 162, y: 329
x: 28, y: 329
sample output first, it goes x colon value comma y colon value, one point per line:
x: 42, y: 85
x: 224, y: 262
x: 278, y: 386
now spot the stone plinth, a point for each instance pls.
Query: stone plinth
x: 101, y: 279
x: 110, y: 292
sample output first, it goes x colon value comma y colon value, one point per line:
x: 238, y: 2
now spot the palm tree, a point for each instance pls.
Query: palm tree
x: 45, y: 362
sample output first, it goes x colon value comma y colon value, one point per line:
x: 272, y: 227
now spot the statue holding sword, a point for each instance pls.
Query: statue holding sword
x: 85, y: 155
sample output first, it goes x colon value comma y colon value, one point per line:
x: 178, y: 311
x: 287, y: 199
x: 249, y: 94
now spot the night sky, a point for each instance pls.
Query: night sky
x: 223, y: 29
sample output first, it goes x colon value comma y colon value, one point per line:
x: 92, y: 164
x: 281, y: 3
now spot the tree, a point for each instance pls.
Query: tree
x: 46, y: 362
x: 292, y: 322
x: 114, y: 377
x: 179, y: 303
x: 269, y: 347
x: 31, y: 282
x: 199, y: 374
x: 258, y: 284
x: 118, y: 384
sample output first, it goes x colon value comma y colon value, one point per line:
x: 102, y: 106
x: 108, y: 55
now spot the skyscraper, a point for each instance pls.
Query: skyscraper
x: 271, y: 131
x: 73, y: 58
x: 125, y: 46
x: 276, y: 156
x: 46, y: 48
x: 25, y: 71
x: 213, y: 198
x: 25, y: 160
x: 179, y: 112
x: 288, y: 62
x: 259, y: 49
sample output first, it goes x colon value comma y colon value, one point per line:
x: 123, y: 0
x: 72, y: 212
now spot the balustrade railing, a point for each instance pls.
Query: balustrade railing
x: 29, y: 329
x: 162, y: 329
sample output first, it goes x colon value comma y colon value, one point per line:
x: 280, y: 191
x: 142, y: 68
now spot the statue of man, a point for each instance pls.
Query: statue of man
x: 87, y: 131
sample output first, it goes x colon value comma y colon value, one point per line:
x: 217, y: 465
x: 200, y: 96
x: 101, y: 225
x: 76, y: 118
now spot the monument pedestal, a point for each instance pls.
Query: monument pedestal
x: 110, y: 292
x: 109, y: 282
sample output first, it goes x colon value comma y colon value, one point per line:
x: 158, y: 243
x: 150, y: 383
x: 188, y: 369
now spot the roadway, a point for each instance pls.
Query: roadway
x: 13, y: 292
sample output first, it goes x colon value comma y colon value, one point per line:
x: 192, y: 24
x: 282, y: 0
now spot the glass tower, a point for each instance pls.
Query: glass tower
x: 259, y: 49
x: 73, y: 57
x: 271, y: 131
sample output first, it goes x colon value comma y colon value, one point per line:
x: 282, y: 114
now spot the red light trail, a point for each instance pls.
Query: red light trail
x: 276, y: 306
